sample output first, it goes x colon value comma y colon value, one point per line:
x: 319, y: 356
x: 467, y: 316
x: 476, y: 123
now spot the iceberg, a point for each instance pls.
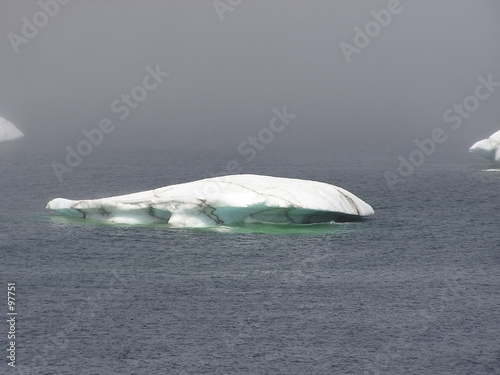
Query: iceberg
x: 488, y: 148
x: 8, y: 131
x: 232, y: 199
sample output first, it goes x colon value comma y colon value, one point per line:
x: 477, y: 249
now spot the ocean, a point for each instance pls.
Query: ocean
x: 415, y: 289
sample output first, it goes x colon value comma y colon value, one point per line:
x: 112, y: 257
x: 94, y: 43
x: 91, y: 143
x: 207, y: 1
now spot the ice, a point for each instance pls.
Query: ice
x: 8, y: 131
x: 224, y: 200
x: 488, y: 148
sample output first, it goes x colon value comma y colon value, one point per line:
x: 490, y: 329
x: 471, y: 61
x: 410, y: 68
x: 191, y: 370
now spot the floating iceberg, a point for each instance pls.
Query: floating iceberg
x: 488, y: 148
x: 8, y: 131
x: 224, y: 200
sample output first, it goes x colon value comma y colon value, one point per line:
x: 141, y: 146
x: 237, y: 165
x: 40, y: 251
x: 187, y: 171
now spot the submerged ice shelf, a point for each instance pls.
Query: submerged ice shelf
x: 224, y: 200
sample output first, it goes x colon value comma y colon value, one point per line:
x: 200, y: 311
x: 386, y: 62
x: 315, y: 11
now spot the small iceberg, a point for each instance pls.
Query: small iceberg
x: 8, y: 131
x: 488, y: 148
x: 224, y: 200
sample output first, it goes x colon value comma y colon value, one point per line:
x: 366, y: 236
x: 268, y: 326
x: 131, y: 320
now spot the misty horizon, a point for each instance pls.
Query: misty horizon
x: 226, y: 76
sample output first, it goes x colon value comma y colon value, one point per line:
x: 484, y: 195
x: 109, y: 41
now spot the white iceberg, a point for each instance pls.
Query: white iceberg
x: 488, y: 148
x: 224, y: 200
x: 8, y: 131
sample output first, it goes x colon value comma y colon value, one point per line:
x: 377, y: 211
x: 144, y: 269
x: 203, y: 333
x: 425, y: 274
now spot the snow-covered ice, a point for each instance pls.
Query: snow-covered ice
x: 224, y: 200
x: 8, y: 131
x: 488, y: 148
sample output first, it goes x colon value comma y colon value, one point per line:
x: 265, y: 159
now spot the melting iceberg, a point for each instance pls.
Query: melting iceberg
x: 8, y: 131
x: 224, y: 200
x: 488, y: 148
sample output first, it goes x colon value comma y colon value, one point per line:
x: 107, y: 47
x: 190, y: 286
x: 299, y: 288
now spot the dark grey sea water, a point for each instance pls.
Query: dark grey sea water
x: 413, y: 290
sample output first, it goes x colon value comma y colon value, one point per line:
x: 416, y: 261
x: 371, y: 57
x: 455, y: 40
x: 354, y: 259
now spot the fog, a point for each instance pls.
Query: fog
x: 231, y: 63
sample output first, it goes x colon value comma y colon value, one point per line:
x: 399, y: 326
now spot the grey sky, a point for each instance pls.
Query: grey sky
x: 226, y: 76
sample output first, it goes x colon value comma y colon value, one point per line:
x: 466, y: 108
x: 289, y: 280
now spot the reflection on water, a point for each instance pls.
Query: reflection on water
x: 283, y: 229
